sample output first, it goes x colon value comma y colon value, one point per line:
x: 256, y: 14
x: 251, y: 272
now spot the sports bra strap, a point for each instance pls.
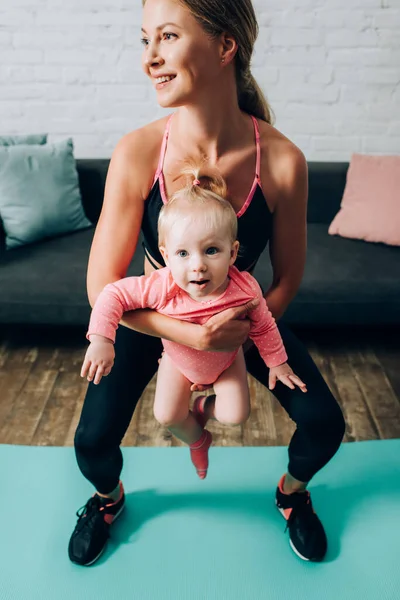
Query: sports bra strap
x: 163, y: 148
x: 258, y: 146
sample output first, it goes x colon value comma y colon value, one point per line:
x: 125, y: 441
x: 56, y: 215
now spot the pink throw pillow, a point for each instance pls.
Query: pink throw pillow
x: 370, y: 207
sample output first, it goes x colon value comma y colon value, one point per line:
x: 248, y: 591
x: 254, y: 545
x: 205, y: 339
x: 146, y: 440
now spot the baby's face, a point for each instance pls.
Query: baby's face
x: 199, y: 259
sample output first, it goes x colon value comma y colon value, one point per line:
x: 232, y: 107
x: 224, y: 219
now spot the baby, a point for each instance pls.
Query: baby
x: 197, y: 232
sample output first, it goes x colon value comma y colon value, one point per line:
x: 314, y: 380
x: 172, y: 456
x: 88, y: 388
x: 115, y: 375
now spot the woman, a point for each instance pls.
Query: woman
x: 197, y: 54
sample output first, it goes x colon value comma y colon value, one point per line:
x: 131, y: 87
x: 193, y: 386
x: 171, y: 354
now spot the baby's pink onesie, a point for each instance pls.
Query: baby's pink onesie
x: 160, y: 292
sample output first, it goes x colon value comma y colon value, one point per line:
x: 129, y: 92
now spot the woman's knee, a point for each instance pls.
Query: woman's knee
x: 88, y: 440
x: 96, y: 437
x: 324, y: 419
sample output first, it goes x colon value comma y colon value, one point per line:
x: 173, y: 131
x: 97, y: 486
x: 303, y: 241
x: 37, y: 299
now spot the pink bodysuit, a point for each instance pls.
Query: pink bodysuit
x: 159, y: 292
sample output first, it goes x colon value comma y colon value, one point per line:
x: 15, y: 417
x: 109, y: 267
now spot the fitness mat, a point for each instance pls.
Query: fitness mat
x: 181, y: 538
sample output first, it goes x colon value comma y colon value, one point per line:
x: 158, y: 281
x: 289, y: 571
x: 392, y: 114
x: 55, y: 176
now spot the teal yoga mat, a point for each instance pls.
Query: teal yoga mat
x: 181, y: 538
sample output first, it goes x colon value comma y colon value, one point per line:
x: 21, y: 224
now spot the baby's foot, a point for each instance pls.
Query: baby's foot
x: 199, y: 453
x: 198, y: 410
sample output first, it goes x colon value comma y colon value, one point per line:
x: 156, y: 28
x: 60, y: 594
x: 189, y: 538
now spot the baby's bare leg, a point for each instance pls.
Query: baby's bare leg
x: 232, y: 401
x: 171, y: 402
x: 171, y: 408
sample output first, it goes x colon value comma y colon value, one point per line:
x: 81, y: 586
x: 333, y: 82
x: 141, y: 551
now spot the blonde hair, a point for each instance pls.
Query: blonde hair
x: 236, y: 18
x: 204, y: 188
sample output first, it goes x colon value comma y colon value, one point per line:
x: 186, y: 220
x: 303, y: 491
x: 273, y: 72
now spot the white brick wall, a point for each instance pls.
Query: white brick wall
x: 330, y: 69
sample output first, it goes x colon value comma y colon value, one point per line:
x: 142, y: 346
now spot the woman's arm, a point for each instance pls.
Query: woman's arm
x: 155, y: 324
x: 223, y: 332
x: 288, y: 245
x: 117, y: 231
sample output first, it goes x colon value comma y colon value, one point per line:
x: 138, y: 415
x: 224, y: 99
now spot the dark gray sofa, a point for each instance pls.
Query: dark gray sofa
x: 346, y: 282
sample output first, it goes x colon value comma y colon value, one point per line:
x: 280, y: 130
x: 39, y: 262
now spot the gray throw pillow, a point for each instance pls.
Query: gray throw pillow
x: 39, y: 192
x: 31, y: 139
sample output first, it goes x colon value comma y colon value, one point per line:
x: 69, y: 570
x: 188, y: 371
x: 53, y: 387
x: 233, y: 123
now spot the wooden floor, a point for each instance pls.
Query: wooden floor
x: 41, y: 392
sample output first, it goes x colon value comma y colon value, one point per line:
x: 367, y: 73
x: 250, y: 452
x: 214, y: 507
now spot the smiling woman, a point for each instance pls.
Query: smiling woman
x: 197, y: 54
x: 194, y: 29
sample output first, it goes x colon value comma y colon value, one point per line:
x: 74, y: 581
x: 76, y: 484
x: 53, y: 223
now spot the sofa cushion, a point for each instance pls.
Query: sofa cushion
x: 39, y: 192
x: 345, y: 281
x: 14, y: 140
x: 370, y: 208
x: 46, y: 282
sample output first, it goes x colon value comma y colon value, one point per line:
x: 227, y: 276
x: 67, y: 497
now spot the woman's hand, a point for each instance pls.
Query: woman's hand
x: 285, y: 374
x: 99, y: 359
x: 226, y: 332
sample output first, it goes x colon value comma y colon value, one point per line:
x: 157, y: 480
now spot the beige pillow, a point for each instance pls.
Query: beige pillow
x: 370, y: 207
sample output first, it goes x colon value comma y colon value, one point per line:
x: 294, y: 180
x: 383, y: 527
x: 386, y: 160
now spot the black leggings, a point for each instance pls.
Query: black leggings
x: 109, y: 406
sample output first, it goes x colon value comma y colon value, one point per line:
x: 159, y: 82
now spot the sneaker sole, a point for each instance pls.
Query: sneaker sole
x: 105, y: 545
x: 290, y: 541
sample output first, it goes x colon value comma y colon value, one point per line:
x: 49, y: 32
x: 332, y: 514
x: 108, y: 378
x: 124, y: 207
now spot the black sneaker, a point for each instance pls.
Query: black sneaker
x: 306, y: 532
x: 89, y: 538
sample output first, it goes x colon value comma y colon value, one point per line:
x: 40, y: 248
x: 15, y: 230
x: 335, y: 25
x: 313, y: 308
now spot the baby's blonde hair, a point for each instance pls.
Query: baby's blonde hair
x: 205, y: 187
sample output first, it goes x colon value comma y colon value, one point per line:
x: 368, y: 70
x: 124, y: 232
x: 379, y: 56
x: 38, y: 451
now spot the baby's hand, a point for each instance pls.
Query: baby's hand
x: 99, y: 359
x: 285, y: 374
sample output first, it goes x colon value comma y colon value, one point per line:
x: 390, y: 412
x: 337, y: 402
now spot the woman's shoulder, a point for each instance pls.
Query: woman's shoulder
x: 276, y: 146
x: 137, y: 152
x: 282, y: 162
x: 147, y: 138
